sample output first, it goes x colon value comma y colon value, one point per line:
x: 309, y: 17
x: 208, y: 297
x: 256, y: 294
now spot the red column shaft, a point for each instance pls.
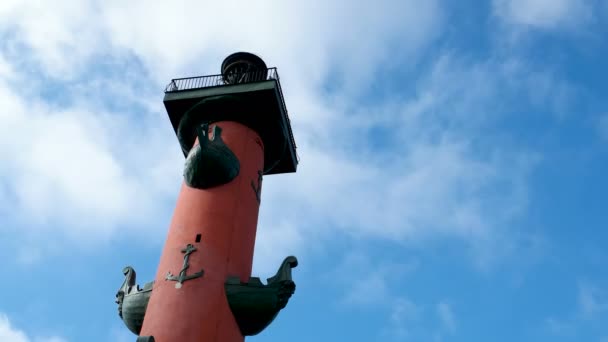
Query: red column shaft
x: 226, y: 218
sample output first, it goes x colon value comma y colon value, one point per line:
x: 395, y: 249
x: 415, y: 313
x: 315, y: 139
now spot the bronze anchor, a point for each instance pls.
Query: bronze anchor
x: 182, y: 277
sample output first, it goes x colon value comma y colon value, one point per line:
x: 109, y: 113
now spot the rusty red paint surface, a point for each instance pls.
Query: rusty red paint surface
x: 226, y: 218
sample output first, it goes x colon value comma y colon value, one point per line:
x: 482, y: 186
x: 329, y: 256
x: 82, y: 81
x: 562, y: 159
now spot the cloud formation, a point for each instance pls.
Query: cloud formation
x: 602, y: 126
x: 9, y: 333
x: 100, y: 155
x: 403, y: 316
x: 544, y: 14
x: 446, y: 316
x: 592, y: 300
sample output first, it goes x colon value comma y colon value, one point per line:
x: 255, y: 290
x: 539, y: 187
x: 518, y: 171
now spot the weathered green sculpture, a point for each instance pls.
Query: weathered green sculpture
x: 255, y: 305
x: 133, y: 301
x: 211, y: 162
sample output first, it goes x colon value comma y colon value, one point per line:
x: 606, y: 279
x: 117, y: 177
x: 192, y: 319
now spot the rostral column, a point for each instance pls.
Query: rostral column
x: 233, y: 129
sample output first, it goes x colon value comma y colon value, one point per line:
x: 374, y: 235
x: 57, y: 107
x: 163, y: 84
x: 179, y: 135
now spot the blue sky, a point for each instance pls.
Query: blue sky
x: 452, y: 178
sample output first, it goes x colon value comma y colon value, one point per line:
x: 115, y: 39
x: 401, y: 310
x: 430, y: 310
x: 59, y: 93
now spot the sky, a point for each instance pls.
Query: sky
x: 453, y: 161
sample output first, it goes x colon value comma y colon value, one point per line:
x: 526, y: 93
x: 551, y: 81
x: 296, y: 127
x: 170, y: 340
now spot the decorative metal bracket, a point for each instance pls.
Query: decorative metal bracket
x: 182, y: 277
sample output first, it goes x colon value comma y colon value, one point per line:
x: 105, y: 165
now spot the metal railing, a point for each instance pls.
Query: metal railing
x: 293, y: 141
x: 199, y: 82
x: 191, y: 83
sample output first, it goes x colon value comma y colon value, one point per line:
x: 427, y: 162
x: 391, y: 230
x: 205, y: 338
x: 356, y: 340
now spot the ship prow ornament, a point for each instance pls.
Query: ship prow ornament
x: 211, y: 162
x: 255, y: 305
x: 133, y: 301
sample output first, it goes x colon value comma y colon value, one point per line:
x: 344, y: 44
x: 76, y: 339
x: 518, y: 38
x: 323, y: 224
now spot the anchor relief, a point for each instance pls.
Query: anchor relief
x: 182, y: 277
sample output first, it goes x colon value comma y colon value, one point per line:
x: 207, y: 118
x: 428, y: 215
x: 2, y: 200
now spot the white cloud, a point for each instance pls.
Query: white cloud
x: 545, y: 14
x: 395, y: 201
x: 120, y: 334
x: 62, y: 37
x: 602, y: 126
x: 403, y: 316
x: 559, y: 327
x: 276, y: 239
x: 444, y: 311
x: 373, y: 289
x: 6, y: 69
x: 86, y: 168
x: 306, y: 36
x: 9, y: 333
x: 592, y: 300
x: 82, y: 168
x: 432, y: 181
x: 411, y: 321
x: 64, y: 168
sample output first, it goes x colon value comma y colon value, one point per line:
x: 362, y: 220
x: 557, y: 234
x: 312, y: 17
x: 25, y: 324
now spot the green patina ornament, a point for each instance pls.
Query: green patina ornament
x: 255, y: 305
x: 145, y: 339
x: 182, y: 277
x: 133, y: 301
x: 211, y: 162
